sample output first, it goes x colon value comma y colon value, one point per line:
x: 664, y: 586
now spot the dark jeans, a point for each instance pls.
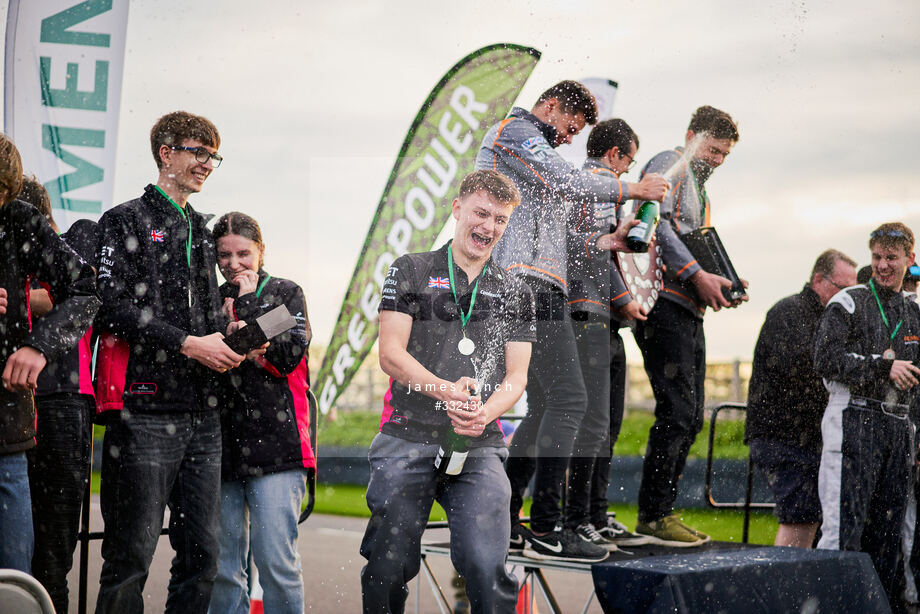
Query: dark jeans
x: 674, y: 351
x: 58, y: 477
x: 603, y: 365
x: 556, y: 400
x: 151, y: 460
x: 402, y: 488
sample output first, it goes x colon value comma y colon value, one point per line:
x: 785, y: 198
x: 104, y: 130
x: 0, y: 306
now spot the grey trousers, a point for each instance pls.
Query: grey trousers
x: 400, y: 494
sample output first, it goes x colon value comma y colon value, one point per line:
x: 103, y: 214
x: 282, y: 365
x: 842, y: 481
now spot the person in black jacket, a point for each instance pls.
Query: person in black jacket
x: 867, y: 347
x: 161, y: 343
x: 600, y: 303
x: 786, y: 400
x: 30, y: 248
x: 266, y: 442
x: 64, y: 406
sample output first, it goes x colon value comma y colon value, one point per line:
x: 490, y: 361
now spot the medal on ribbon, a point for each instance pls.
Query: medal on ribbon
x: 465, y: 346
x: 888, y: 354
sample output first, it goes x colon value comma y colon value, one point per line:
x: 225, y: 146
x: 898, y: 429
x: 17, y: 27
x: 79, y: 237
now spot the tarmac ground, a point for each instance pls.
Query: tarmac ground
x: 328, y: 547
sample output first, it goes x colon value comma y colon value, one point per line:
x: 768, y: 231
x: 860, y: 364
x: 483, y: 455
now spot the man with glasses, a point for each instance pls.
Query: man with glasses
x: 786, y: 400
x: 600, y: 304
x: 522, y: 146
x: 161, y: 347
x: 867, y: 347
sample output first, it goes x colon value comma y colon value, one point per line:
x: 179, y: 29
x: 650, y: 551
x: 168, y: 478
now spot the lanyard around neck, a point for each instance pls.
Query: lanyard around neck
x: 703, y: 197
x: 464, y: 318
x: 184, y: 214
x: 882, y: 311
x: 262, y: 286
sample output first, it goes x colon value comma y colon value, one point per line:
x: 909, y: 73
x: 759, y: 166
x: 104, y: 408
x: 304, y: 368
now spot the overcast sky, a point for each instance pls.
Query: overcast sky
x: 313, y: 100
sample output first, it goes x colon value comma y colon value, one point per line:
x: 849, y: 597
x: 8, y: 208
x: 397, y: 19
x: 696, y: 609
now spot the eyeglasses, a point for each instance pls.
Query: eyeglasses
x: 632, y: 162
x: 835, y: 284
x: 202, y: 155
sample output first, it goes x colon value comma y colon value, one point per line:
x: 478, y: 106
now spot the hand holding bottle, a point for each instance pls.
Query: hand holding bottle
x: 651, y: 187
x: 616, y: 240
x: 467, y: 420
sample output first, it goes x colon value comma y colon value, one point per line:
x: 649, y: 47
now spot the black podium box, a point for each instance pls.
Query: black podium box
x: 749, y: 581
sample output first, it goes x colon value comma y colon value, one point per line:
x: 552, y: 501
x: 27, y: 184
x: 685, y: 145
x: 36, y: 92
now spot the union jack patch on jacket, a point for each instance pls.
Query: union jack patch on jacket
x: 156, y: 236
x: 438, y: 282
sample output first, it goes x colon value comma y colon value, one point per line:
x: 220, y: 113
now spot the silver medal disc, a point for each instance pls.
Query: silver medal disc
x: 466, y: 346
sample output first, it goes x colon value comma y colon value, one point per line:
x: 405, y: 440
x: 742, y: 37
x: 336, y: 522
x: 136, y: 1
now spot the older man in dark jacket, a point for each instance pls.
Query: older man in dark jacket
x: 787, y: 400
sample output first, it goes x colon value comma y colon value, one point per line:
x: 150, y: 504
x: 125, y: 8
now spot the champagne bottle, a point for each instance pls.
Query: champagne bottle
x: 452, y: 453
x: 453, y: 450
x: 640, y: 235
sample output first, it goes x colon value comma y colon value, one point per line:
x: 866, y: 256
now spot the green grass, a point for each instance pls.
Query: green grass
x: 729, y: 440
x: 357, y: 429
x: 722, y: 525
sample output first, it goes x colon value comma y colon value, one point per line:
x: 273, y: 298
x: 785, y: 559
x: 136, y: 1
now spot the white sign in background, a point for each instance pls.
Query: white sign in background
x: 62, y: 93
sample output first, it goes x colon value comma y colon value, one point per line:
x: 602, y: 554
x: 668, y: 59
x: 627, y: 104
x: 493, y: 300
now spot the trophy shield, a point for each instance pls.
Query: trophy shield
x: 642, y: 274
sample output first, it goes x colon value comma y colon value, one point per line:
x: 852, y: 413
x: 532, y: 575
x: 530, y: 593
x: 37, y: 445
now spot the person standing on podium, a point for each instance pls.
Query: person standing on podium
x: 523, y: 146
x: 672, y: 339
x: 600, y: 304
x: 455, y: 338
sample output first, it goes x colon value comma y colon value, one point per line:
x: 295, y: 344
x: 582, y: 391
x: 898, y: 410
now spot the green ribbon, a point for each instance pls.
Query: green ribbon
x: 464, y: 318
x: 188, y: 242
x: 262, y: 286
x: 882, y: 311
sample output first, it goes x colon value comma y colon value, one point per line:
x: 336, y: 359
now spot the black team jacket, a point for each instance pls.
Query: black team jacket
x: 266, y: 423
x: 30, y: 249
x: 157, y: 288
x: 70, y: 373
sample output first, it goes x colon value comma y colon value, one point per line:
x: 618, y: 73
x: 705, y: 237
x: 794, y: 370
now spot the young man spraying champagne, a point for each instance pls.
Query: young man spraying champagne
x: 455, y: 337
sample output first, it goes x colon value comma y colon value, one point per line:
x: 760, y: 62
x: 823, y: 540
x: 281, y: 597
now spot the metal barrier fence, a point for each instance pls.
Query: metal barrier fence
x: 747, y: 505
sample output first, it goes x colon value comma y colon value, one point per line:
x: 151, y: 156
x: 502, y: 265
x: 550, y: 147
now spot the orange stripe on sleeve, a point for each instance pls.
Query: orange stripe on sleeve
x: 686, y: 266
x: 511, y: 153
x: 533, y: 268
x: 587, y: 241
